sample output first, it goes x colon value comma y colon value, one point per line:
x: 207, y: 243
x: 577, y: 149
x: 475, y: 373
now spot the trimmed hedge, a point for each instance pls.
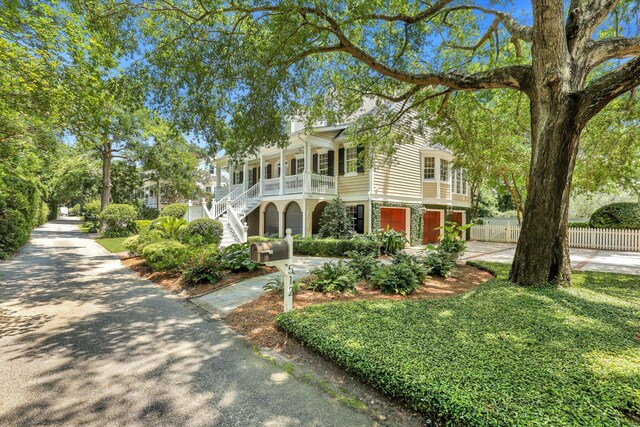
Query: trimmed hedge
x: 327, y: 247
x: 165, y: 255
x: 176, y: 210
x: 617, y: 215
x: 119, y: 219
x: 21, y: 209
x: 209, y: 230
x: 497, y: 355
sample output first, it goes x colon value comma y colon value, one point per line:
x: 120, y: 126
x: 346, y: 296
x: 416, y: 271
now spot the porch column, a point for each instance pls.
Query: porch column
x: 283, y: 172
x: 306, y: 186
x: 245, y: 175
x: 261, y: 176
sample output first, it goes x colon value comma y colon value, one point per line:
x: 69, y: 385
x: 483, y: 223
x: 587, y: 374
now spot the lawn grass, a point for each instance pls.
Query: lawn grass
x: 113, y: 245
x: 497, y: 355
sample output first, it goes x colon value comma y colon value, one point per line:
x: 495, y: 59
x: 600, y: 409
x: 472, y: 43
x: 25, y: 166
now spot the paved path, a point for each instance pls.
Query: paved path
x: 221, y: 303
x: 581, y: 259
x: 83, y: 341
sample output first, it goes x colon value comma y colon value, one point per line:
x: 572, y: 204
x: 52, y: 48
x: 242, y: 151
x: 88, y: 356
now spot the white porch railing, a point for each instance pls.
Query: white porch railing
x: 239, y: 229
x: 271, y: 187
x: 593, y: 238
x: 220, y: 206
x: 293, y: 184
x: 322, y: 184
x: 245, y: 200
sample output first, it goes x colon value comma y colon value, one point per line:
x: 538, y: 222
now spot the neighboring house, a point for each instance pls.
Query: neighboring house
x: 153, y: 196
x: 415, y: 191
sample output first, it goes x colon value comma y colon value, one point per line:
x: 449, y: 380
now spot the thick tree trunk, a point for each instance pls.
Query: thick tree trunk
x: 106, y: 175
x: 542, y: 254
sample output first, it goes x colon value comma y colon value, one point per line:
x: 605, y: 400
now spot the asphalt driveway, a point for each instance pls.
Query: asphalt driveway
x: 83, y: 341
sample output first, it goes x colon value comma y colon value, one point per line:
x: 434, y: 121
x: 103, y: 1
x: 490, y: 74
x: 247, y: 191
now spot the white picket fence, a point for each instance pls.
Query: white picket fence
x: 593, y: 238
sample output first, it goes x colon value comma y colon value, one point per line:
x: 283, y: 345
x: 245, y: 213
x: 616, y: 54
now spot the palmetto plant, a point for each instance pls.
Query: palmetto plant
x: 170, y: 226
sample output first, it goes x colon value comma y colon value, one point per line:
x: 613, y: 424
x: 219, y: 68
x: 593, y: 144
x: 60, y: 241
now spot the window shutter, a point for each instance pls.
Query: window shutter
x: 293, y: 166
x: 330, y: 157
x: 315, y: 163
x: 241, y: 178
x: 341, y: 161
x: 254, y: 175
x: 360, y: 159
x: 269, y: 171
x: 360, y: 219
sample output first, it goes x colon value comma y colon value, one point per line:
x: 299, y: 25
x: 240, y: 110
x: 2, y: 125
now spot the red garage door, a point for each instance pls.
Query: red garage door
x: 395, y: 218
x: 431, y: 222
x: 457, y: 218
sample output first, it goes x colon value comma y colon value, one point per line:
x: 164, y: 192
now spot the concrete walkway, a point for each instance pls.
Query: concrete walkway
x: 221, y: 303
x: 581, y: 259
x: 83, y: 341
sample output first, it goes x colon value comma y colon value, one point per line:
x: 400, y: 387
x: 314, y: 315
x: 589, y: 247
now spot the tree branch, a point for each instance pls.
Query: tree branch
x: 605, y: 89
x: 583, y: 19
x: 522, y: 32
x: 612, y: 48
x: 408, y: 19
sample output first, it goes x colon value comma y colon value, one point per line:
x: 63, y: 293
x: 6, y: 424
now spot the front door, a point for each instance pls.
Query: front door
x: 431, y: 222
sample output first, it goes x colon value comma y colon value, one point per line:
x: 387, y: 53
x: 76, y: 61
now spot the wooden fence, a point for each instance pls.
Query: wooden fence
x: 594, y: 238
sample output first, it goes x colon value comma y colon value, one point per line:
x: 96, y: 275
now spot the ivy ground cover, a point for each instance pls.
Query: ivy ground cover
x: 497, y: 355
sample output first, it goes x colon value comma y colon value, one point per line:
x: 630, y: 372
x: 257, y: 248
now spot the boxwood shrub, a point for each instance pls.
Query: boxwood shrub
x: 176, y: 210
x: 165, y: 255
x: 119, y: 220
x: 327, y: 247
x: 617, y: 215
x: 207, y: 231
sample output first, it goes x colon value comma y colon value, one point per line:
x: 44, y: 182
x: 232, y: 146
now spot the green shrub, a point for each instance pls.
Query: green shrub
x: 170, y: 226
x: 143, y: 225
x: 176, y: 210
x: 148, y: 237
x: 236, y: 258
x: 336, y: 221
x: 119, y: 220
x: 579, y: 225
x: 439, y: 263
x: 209, y: 230
x: 92, y: 209
x: 333, y: 247
x: 365, y: 265
x: 276, y: 284
x: 204, y: 266
x: 397, y: 278
x: 451, y: 241
x: 75, y: 210
x: 389, y: 241
x: 415, y: 263
x: 165, y: 256
x: 146, y: 213
x: 617, y: 215
x: 131, y: 244
x: 334, y: 277
x: 43, y: 213
x: 19, y: 203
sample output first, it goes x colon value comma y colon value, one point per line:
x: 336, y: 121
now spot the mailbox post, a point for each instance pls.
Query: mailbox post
x: 279, y: 255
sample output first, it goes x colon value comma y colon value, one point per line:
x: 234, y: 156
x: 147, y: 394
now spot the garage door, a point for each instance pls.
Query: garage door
x: 457, y: 218
x: 293, y: 218
x: 431, y: 221
x: 395, y: 218
x: 271, y: 220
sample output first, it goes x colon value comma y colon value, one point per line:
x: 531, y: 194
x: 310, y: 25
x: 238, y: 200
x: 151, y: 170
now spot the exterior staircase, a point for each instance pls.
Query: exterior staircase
x: 232, y: 209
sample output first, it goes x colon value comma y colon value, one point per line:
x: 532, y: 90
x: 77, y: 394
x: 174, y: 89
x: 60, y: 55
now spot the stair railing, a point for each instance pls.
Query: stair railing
x: 237, y: 227
x: 244, y: 201
x: 220, y: 206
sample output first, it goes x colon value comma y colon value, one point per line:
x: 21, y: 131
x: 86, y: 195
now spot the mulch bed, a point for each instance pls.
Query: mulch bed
x: 256, y: 319
x: 174, y: 282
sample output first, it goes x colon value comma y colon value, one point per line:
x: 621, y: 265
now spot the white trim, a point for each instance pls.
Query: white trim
x: 346, y: 175
x: 322, y: 151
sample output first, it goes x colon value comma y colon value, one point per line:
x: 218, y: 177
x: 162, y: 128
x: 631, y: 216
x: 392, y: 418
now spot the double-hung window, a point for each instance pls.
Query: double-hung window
x: 429, y: 172
x: 323, y: 163
x: 351, y: 160
x: 237, y: 177
x: 444, y: 170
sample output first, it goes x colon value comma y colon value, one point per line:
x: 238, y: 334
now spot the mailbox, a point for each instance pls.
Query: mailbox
x: 269, y: 251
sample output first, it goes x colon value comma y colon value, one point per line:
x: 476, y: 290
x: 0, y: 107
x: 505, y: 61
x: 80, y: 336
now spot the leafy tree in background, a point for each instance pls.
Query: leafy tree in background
x: 77, y: 179
x: 126, y: 181
x: 231, y: 71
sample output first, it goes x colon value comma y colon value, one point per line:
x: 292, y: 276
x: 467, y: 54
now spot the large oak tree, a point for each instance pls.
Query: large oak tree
x: 229, y: 71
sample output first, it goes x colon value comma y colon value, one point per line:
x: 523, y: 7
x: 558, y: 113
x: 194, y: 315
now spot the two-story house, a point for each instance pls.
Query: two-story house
x: 289, y: 187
